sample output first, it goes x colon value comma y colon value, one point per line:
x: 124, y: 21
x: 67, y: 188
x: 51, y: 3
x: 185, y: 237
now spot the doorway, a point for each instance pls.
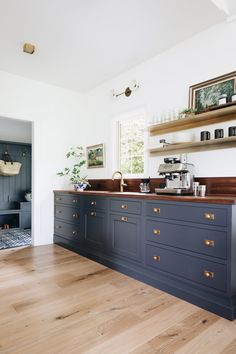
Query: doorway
x: 15, y: 183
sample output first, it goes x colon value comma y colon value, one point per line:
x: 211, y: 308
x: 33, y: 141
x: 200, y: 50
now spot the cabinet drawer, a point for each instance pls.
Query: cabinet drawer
x: 67, y: 199
x: 203, y: 215
x: 124, y: 206
x: 195, y: 269
x: 67, y: 213
x: 95, y: 203
x: 192, y: 238
x: 71, y: 232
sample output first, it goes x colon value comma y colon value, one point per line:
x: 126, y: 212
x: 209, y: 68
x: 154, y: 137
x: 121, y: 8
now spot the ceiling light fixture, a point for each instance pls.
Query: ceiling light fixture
x: 28, y: 48
x: 127, y: 92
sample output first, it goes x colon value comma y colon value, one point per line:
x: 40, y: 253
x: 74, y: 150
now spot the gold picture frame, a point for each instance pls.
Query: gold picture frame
x: 206, y: 94
x: 95, y: 156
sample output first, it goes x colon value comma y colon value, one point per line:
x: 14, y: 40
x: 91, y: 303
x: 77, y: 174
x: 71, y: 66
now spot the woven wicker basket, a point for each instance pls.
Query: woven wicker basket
x: 9, y: 168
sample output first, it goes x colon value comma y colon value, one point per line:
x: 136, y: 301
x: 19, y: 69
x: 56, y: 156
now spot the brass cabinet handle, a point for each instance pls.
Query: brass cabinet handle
x: 58, y: 227
x: 93, y: 213
x: 75, y: 215
x: 74, y: 232
x: 156, y: 231
x: 208, y: 274
x: 124, y: 218
x: 157, y: 210
x: 124, y: 206
x: 74, y: 201
x: 209, y: 216
x: 209, y: 243
x: 93, y: 203
x: 156, y: 258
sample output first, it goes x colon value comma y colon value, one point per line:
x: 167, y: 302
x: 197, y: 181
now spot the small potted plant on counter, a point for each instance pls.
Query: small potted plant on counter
x: 74, y: 172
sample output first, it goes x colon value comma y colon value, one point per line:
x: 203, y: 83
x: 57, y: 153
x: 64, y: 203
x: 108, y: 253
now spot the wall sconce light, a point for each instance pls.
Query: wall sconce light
x: 131, y: 88
x: 28, y: 48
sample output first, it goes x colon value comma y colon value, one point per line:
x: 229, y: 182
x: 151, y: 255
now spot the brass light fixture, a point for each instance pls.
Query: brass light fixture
x: 28, y: 48
x: 127, y: 92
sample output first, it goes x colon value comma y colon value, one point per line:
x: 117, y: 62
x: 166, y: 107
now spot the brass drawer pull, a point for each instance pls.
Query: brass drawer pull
x: 208, y: 274
x: 209, y: 216
x: 156, y: 258
x: 74, y: 201
x: 124, y: 218
x: 124, y: 206
x: 157, y: 210
x: 58, y: 227
x: 74, y: 233
x: 93, y: 213
x: 93, y: 203
x: 209, y: 243
x: 156, y: 232
x: 75, y: 216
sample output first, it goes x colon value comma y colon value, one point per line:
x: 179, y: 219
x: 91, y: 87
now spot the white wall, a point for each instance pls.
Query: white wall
x: 58, y: 118
x: 164, y: 83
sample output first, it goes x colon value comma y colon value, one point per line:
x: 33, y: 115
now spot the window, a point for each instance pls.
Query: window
x: 131, y: 138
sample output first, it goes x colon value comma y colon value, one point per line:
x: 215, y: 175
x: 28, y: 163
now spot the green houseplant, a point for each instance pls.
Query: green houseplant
x: 187, y: 112
x: 74, y: 172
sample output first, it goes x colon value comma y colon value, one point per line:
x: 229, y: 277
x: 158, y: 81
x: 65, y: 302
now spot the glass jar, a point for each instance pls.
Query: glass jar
x: 144, y: 185
x: 233, y: 97
x: 223, y: 99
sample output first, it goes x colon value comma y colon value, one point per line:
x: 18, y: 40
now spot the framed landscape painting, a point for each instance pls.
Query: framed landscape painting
x: 96, y: 156
x: 206, y: 94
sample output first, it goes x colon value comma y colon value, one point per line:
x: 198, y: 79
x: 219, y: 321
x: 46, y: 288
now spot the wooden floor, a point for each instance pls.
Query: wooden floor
x: 55, y: 301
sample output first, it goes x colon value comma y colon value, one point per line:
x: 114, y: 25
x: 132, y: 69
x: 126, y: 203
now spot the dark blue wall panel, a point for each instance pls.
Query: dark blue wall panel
x: 12, y: 189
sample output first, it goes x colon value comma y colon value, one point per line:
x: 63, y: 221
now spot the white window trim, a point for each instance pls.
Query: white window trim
x: 115, y: 153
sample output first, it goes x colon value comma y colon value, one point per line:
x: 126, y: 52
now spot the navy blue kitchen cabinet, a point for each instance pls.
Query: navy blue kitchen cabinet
x: 186, y: 249
x: 68, y: 221
x: 125, y: 228
x: 125, y: 236
x: 95, y: 223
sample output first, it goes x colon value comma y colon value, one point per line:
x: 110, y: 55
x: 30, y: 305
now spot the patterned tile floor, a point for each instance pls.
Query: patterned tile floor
x: 15, y: 238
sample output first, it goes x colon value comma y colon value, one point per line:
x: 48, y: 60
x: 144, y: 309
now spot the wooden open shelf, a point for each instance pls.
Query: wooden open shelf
x: 197, y: 146
x: 216, y: 116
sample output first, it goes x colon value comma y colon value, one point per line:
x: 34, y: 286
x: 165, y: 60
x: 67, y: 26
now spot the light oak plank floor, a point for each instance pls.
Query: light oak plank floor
x: 55, y: 301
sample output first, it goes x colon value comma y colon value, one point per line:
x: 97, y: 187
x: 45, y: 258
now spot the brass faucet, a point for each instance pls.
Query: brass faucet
x: 122, y: 182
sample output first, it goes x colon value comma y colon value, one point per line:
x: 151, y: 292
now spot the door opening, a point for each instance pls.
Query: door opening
x: 15, y: 183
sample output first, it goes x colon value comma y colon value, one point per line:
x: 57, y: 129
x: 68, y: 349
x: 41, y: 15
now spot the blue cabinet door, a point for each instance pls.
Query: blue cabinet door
x: 125, y: 236
x: 95, y: 228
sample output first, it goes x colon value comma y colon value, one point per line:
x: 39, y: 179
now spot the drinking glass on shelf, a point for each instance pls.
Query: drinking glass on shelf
x: 163, y: 117
x: 169, y: 116
x: 174, y: 114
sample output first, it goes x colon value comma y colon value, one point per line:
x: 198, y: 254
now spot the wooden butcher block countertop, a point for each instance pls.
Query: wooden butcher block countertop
x: 211, y: 199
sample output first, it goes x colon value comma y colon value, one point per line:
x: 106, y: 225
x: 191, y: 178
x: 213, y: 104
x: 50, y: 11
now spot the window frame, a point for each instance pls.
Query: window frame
x: 141, y: 113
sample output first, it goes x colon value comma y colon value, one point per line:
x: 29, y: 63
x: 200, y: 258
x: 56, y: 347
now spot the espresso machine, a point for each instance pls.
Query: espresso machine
x: 178, y: 176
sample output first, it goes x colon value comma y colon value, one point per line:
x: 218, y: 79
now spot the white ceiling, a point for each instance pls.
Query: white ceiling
x: 82, y: 43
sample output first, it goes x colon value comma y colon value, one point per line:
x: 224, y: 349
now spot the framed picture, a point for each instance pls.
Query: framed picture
x: 96, y: 156
x: 206, y: 94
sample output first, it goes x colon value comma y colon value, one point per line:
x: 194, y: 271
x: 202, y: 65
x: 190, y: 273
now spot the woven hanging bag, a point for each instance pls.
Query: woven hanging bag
x: 8, y: 167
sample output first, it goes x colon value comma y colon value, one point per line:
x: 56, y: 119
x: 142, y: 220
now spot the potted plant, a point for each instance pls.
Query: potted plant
x: 28, y: 196
x: 187, y: 112
x: 74, y: 172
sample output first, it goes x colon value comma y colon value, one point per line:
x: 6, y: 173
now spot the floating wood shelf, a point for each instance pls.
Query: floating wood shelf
x: 216, y: 116
x: 197, y: 146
